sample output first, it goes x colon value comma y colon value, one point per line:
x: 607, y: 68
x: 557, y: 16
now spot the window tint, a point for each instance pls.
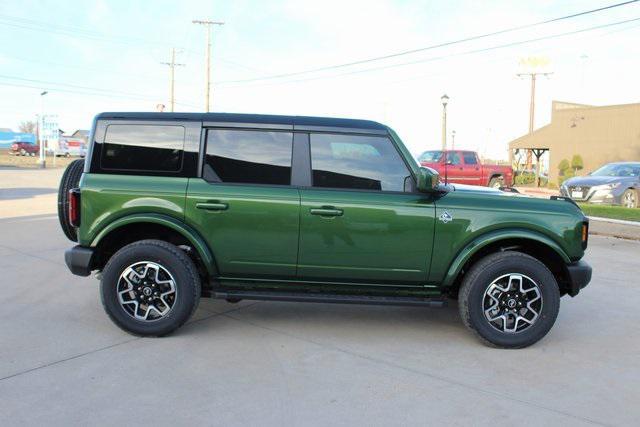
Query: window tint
x: 453, y: 157
x: 469, y: 158
x: 143, y: 148
x: 243, y: 156
x: 430, y: 157
x: 356, y: 162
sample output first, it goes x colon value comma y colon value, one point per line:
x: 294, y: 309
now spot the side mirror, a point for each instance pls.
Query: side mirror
x: 427, y: 180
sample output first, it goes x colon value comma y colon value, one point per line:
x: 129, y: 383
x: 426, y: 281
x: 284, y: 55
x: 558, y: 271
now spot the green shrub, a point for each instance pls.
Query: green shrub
x: 576, y: 163
x: 524, y: 178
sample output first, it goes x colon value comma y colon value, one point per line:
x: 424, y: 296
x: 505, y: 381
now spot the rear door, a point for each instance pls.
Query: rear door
x: 472, y: 170
x: 244, y: 204
x: 360, y: 221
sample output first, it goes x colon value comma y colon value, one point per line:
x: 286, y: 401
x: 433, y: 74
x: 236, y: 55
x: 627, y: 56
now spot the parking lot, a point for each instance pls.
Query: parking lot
x: 62, y: 361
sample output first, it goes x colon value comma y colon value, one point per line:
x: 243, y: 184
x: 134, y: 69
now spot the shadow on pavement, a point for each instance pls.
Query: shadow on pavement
x: 24, y: 193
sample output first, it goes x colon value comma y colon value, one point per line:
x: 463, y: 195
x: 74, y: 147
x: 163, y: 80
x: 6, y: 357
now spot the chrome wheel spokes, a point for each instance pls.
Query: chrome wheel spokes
x: 512, y: 303
x: 146, y: 291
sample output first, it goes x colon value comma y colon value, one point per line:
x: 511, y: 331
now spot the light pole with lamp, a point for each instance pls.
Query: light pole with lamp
x: 445, y: 101
x: 453, y: 139
x: 42, y: 161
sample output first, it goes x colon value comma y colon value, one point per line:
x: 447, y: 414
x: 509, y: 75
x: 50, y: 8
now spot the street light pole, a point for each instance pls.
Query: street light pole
x: 453, y: 139
x: 445, y: 101
x: 42, y: 161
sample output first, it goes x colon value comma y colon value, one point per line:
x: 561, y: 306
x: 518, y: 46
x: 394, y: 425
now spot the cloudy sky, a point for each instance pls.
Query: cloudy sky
x: 101, y: 55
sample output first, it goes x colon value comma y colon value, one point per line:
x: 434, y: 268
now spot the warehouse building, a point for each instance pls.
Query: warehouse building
x: 598, y: 135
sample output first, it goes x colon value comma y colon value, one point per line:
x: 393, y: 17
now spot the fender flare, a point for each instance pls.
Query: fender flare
x: 185, y: 230
x: 495, y: 236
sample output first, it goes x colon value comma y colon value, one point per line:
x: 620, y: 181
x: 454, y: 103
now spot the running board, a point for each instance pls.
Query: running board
x: 328, y: 298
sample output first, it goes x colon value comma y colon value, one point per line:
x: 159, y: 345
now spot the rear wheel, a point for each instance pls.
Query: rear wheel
x: 630, y: 198
x: 509, y: 299
x: 496, y: 182
x: 150, y: 288
x: 70, y: 179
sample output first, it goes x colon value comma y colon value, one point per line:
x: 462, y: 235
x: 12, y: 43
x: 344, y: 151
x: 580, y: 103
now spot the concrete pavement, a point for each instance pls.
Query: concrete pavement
x: 62, y: 362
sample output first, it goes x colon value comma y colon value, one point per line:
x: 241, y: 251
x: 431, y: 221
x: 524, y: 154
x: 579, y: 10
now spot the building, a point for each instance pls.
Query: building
x: 8, y: 137
x: 598, y: 134
x: 82, y: 134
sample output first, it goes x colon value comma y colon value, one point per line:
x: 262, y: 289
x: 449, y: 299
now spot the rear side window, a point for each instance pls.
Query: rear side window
x: 248, y: 157
x: 158, y: 148
x: 356, y: 162
x: 469, y: 158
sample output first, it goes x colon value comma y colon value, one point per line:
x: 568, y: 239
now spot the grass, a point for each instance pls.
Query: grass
x: 615, y: 212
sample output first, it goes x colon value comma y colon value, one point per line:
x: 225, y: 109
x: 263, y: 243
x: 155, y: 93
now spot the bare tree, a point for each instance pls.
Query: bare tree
x: 27, y: 126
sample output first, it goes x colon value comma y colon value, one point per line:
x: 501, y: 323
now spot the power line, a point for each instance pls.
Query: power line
x: 83, y: 90
x: 436, y: 46
x: 437, y: 58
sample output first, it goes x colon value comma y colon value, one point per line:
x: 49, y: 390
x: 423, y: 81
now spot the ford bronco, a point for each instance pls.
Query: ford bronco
x: 171, y: 207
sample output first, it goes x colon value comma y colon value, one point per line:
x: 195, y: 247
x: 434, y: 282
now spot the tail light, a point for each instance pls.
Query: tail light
x: 74, y: 207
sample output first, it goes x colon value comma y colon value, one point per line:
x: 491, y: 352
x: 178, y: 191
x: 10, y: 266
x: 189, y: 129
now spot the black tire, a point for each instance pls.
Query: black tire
x: 471, y: 298
x: 173, y: 260
x: 496, y: 182
x: 70, y: 179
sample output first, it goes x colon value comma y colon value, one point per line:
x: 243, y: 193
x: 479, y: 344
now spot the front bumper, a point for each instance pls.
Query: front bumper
x: 605, y: 196
x: 79, y: 259
x: 579, y: 276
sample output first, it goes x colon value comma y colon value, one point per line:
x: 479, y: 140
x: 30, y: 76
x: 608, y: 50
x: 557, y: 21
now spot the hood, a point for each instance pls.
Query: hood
x: 590, y: 181
x: 483, y: 190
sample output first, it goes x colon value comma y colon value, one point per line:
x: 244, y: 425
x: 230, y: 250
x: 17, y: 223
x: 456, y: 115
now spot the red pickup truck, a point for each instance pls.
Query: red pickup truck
x: 464, y: 167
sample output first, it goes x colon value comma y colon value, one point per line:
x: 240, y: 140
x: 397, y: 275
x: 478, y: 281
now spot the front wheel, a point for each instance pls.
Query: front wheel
x: 509, y: 299
x: 630, y: 198
x: 150, y: 288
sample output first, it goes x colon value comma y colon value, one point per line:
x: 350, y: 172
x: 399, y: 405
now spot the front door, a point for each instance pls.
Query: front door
x: 359, y: 222
x: 244, y: 205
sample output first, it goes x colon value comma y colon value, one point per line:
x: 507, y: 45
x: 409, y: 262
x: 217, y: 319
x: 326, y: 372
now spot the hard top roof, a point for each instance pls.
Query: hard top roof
x: 249, y: 118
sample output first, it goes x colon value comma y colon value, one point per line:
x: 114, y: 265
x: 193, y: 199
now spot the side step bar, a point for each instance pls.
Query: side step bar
x: 328, y: 298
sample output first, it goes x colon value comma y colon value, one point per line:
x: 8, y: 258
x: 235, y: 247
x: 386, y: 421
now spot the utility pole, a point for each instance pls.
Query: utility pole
x: 208, y: 24
x: 172, y: 65
x: 532, y: 105
x: 445, y: 100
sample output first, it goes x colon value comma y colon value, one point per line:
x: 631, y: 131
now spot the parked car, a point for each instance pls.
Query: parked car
x: 612, y: 184
x: 172, y: 207
x: 465, y: 167
x: 24, y: 148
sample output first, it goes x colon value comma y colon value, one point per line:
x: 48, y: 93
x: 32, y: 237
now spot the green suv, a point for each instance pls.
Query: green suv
x: 172, y: 207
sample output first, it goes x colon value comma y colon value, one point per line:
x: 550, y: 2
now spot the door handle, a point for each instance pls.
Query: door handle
x: 212, y: 206
x: 326, y: 211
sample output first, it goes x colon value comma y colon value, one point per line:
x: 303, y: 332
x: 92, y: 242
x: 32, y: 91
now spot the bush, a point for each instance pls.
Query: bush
x: 524, y: 178
x: 576, y: 163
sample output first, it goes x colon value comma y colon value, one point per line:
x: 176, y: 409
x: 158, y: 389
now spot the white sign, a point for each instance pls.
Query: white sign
x: 49, y: 132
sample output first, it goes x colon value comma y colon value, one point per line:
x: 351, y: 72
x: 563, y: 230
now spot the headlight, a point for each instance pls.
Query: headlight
x: 606, y: 186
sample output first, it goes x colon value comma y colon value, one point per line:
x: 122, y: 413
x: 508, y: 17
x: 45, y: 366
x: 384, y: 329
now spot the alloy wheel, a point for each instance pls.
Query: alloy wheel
x: 146, y: 291
x: 629, y: 199
x: 512, y: 303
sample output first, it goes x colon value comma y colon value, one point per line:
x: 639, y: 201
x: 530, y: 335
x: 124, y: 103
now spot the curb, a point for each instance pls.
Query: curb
x: 615, y: 221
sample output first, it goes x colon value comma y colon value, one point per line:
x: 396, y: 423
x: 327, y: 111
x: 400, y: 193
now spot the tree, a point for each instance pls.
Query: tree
x: 563, y: 166
x: 27, y: 126
x: 576, y: 163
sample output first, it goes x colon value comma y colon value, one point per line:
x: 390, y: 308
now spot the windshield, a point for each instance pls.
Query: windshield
x: 430, y: 156
x: 612, y: 169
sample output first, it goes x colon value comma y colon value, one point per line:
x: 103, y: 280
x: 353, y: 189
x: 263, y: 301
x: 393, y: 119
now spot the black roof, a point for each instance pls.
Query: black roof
x: 294, y: 121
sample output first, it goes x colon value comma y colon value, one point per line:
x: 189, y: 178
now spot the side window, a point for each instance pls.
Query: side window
x: 470, y: 158
x: 453, y: 157
x: 251, y: 157
x: 152, y: 148
x: 356, y: 162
